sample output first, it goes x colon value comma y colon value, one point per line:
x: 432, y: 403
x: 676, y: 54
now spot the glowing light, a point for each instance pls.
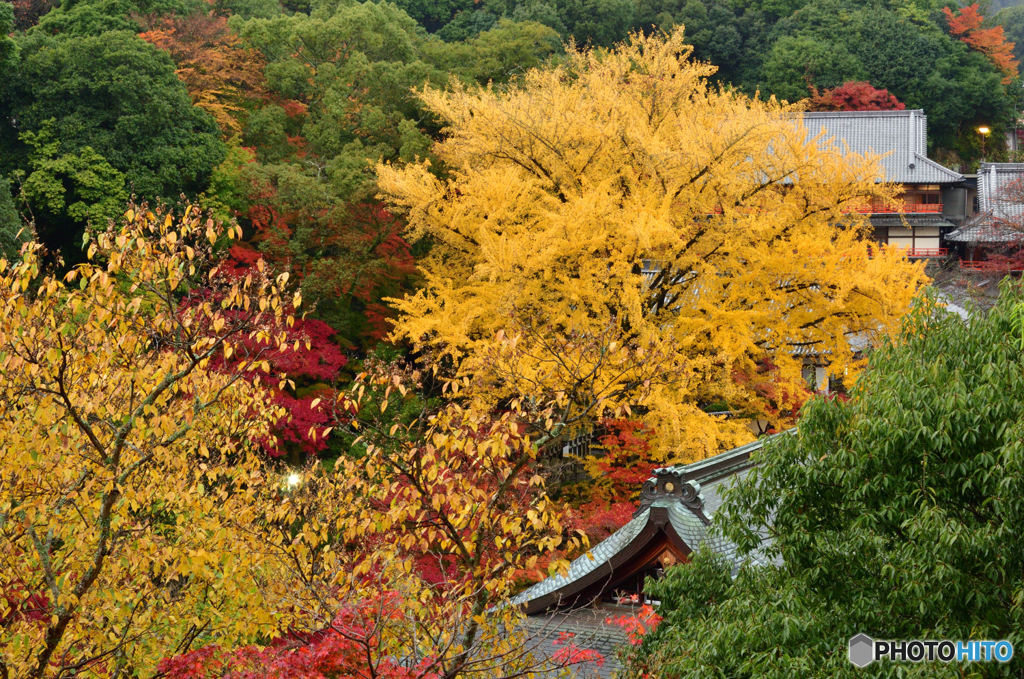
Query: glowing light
x: 294, y: 480
x: 984, y: 130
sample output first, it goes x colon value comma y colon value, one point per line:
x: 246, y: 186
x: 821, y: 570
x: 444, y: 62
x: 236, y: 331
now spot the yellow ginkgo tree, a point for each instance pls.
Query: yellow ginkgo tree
x: 128, y: 430
x: 620, y: 199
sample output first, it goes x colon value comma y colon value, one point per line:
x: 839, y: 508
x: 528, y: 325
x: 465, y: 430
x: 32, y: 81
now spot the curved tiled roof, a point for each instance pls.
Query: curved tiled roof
x: 901, y: 136
x: 686, y: 524
x: 589, y: 562
x: 688, y: 516
x: 1001, y: 204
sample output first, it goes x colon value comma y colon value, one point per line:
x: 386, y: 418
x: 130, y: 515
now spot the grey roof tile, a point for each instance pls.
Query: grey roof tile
x: 712, y: 475
x: 590, y: 630
x: 712, y: 490
x: 996, y: 189
x: 901, y: 136
x: 1001, y: 213
x: 600, y: 554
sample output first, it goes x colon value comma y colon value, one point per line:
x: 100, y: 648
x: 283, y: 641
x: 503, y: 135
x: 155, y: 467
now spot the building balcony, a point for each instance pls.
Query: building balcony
x: 991, y: 267
x: 918, y: 253
x: 927, y: 252
x: 878, y: 209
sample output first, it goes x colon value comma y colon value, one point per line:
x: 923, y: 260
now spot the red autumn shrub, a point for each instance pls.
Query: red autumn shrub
x: 351, y: 648
x: 853, y: 96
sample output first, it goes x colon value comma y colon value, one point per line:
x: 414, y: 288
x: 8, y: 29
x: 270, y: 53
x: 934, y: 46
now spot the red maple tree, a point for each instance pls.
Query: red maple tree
x: 301, y: 378
x: 966, y: 25
x: 853, y: 96
x: 353, y: 647
x: 350, y: 257
x: 350, y: 648
x: 617, y: 476
x: 218, y: 70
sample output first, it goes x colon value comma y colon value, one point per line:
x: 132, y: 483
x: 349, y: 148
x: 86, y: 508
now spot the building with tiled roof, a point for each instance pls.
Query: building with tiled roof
x: 1000, y: 218
x: 935, y: 198
x: 677, y: 507
x: 673, y: 520
x: 901, y: 136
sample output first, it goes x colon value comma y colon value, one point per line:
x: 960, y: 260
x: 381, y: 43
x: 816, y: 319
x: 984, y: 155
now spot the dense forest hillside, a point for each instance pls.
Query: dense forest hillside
x: 274, y: 113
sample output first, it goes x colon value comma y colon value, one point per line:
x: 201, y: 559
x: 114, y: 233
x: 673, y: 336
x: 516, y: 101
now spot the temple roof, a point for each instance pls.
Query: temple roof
x: 1001, y: 205
x: 676, y: 509
x: 901, y: 136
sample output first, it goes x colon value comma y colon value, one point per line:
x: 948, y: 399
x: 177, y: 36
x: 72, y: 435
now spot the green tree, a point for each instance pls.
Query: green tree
x: 925, y: 68
x: 434, y: 14
x: 67, y: 193
x: 248, y: 9
x: 13, y: 232
x: 344, y: 76
x: 897, y: 514
x: 8, y: 48
x: 601, y: 23
x: 467, y: 24
x: 796, y: 63
x: 497, y: 54
x: 120, y: 96
x: 1012, y: 21
x: 95, y: 17
x: 713, y: 30
x: 897, y: 45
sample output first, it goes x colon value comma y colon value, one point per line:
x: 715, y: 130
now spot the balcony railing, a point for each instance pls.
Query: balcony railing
x: 987, y: 266
x: 879, y: 209
x: 865, y: 209
x: 916, y: 252
x: 927, y: 252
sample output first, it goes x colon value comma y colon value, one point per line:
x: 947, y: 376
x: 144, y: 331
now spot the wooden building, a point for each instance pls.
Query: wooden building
x: 935, y: 199
x: 998, y: 227
x: 677, y: 507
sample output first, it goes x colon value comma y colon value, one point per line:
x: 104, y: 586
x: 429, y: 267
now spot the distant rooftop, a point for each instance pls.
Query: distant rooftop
x: 1000, y: 206
x: 1000, y: 189
x: 900, y: 136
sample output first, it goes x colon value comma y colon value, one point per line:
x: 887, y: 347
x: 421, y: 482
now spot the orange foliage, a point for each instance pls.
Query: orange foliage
x: 989, y: 41
x: 217, y: 70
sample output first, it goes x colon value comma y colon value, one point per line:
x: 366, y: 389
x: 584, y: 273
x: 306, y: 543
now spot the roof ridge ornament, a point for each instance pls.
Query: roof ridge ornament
x: 669, y: 483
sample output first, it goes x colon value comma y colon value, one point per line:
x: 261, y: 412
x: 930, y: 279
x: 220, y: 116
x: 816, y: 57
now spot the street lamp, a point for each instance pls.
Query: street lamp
x: 983, y: 131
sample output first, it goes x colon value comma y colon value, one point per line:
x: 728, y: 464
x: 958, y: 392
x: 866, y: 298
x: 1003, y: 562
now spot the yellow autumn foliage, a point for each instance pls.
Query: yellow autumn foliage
x: 621, y: 203
x: 128, y: 455
x: 139, y: 519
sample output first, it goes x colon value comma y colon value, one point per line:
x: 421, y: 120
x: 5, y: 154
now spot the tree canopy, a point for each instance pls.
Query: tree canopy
x: 105, y: 395
x: 896, y: 514
x: 575, y: 214
x: 785, y: 47
x: 143, y: 531
x: 12, y: 231
x: 115, y: 93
